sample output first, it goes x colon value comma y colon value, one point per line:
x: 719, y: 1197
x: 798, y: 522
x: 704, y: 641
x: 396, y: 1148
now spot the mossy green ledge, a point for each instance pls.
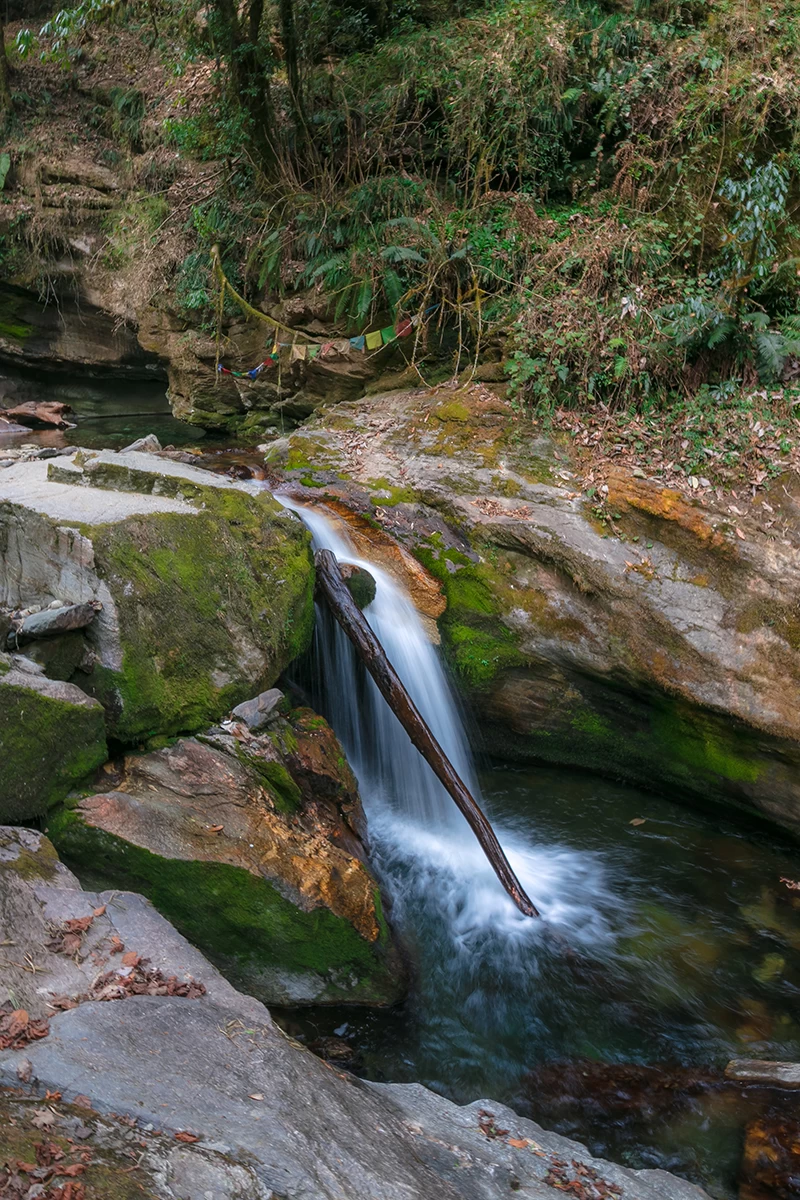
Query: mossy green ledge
x: 206, y: 586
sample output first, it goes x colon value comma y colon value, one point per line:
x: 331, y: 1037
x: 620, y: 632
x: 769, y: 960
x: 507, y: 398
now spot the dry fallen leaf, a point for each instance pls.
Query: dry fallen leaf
x: 98, y: 912
x: 256, y: 1096
x: 52, y: 1095
x: 117, y: 945
x: 82, y: 1101
x: 638, y: 821
x: 739, y: 533
x: 519, y: 1143
x: 44, y: 1118
x: 131, y: 959
x: 215, y: 828
x: 183, y: 1136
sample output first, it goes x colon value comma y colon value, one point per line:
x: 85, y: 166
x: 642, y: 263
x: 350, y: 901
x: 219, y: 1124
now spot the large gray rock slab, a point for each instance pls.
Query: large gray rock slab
x: 218, y: 1068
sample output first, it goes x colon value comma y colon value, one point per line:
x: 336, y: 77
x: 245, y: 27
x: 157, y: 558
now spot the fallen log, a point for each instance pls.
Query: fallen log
x: 371, y: 652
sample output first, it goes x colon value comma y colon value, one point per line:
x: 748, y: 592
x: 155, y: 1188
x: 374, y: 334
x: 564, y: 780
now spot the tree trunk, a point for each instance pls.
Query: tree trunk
x: 290, y: 49
x: 5, y: 81
x: 371, y: 653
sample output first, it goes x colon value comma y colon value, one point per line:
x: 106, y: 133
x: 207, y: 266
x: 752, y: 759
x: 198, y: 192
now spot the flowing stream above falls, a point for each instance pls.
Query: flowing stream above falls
x: 685, y: 943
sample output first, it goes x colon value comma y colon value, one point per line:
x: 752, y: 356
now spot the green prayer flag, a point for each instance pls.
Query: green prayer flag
x: 388, y: 335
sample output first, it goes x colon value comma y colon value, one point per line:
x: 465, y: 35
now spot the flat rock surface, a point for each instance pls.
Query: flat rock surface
x: 216, y: 1068
x: 26, y: 483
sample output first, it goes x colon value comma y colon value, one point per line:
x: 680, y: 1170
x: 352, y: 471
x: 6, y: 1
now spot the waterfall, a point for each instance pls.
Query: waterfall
x: 423, y: 847
x: 391, y: 771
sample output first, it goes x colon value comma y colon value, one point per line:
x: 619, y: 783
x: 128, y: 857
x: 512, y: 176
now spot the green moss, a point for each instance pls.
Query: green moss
x: 192, y: 590
x: 476, y: 641
x: 587, y: 721
x: 286, y: 795
x: 48, y: 746
x: 240, y: 920
x: 390, y: 494
x: 696, y: 741
x: 454, y: 411
x: 39, y: 865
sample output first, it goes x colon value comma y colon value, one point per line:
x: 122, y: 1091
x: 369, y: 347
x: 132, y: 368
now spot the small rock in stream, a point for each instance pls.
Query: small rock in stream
x: 148, y: 443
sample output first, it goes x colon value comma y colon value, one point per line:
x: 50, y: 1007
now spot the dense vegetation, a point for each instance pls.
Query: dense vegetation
x: 607, y: 191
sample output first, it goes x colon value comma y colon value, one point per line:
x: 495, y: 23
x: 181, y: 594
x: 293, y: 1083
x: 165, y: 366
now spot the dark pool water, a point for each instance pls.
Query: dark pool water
x: 108, y: 413
x: 680, y: 948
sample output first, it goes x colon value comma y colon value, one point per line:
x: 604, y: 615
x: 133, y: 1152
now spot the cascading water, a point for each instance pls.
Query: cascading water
x: 422, y: 842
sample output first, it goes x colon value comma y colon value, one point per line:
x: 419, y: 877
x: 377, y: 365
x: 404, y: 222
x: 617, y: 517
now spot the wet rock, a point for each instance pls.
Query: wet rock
x: 259, y: 711
x: 52, y: 735
x: 360, y: 584
x: 774, y: 1074
x: 42, y: 414
x: 771, y: 1160
x: 206, y: 588
x: 54, y: 621
x: 149, y: 443
x: 254, y: 856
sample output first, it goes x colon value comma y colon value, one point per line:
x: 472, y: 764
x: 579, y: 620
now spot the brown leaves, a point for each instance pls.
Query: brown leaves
x: 17, y: 1029
x: 68, y: 936
x: 117, y: 945
x: 518, y: 1143
x: 51, y: 1177
x: 487, y: 1126
x: 584, y: 1184
x: 183, y: 1136
x: 136, y: 979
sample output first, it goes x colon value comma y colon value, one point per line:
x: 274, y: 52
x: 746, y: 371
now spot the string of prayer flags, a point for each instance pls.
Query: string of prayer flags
x: 300, y: 352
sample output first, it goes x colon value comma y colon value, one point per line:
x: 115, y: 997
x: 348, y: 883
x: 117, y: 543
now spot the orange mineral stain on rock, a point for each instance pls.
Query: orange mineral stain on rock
x: 424, y: 589
x: 663, y: 503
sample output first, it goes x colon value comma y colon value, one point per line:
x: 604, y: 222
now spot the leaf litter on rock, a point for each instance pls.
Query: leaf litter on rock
x: 17, y: 1029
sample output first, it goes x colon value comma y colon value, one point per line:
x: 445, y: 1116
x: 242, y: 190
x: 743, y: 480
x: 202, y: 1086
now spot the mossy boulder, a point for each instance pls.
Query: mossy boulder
x: 206, y: 586
x: 252, y: 848
x: 51, y: 737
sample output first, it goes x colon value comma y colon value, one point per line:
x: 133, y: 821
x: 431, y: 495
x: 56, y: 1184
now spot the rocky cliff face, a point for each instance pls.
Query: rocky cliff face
x: 634, y: 631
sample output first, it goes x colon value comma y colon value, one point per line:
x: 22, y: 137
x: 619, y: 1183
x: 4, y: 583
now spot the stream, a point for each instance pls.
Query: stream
x: 683, y: 944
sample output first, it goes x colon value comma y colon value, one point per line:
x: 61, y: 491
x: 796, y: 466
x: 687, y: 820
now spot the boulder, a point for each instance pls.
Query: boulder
x: 54, y: 621
x: 205, y: 586
x: 216, y: 1099
x: 633, y: 631
x: 259, y: 711
x: 150, y: 444
x: 52, y: 735
x: 253, y: 848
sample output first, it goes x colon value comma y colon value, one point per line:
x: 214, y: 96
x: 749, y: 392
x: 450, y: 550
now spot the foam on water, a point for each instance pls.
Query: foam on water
x: 423, y: 847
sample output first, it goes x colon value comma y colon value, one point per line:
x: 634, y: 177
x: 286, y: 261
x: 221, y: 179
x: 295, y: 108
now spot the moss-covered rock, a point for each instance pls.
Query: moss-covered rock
x: 206, y: 586
x: 51, y: 737
x: 253, y: 850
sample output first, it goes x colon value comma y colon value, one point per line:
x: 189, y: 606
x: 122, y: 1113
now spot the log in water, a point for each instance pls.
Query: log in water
x: 372, y: 654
